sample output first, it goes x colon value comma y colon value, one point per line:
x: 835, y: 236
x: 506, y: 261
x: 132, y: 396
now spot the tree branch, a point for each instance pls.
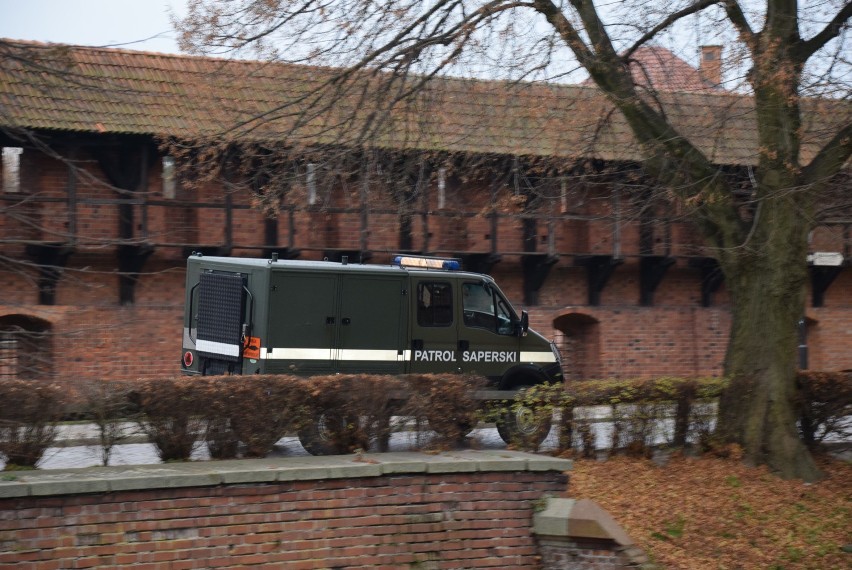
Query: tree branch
x: 806, y: 49
x: 600, y: 40
x: 399, y: 37
x: 738, y: 19
x: 831, y: 158
x: 693, y: 178
x: 689, y: 10
x: 566, y: 31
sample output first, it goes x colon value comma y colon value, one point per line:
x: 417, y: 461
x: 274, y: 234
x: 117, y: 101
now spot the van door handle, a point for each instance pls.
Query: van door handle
x: 347, y: 321
x: 464, y: 345
x: 329, y: 320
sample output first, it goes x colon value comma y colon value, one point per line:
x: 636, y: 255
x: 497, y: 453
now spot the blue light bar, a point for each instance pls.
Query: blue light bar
x: 414, y: 261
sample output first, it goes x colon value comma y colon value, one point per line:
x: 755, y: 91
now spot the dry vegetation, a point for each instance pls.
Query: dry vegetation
x: 714, y: 513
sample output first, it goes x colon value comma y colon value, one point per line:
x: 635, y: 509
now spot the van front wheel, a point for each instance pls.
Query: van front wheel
x: 525, y: 426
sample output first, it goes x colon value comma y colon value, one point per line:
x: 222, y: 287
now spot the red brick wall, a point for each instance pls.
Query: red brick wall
x: 465, y: 520
x: 583, y: 555
x: 95, y: 337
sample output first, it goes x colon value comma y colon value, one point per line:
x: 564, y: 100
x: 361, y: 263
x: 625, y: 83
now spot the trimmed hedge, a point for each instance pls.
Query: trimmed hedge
x: 245, y: 415
x: 638, y: 410
x: 639, y: 407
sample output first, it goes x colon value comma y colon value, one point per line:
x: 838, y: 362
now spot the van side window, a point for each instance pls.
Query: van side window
x: 483, y: 308
x: 434, y: 304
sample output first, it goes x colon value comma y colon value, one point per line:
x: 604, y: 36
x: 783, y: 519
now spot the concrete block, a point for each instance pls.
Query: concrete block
x: 578, y: 519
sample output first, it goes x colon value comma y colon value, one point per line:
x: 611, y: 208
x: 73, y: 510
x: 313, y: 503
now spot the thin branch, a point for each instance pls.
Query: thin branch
x: 598, y: 36
x: 738, y: 19
x: 566, y: 31
x: 688, y: 11
x: 806, y: 49
x: 831, y: 158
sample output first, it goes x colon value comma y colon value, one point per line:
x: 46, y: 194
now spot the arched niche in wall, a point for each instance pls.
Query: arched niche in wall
x: 578, y: 339
x: 26, y: 347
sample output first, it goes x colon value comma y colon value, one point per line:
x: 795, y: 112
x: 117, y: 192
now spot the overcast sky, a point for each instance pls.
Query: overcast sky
x: 92, y: 22
x: 132, y: 24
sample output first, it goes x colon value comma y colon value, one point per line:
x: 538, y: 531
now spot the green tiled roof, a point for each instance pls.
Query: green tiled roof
x: 57, y: 87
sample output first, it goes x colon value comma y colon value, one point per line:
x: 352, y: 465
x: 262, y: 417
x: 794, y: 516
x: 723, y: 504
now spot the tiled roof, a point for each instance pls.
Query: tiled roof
x: 56, y: 87
x: 659, y: 68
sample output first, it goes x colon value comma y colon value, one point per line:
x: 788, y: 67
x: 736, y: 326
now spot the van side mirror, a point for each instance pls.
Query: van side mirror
x: 524, y: 324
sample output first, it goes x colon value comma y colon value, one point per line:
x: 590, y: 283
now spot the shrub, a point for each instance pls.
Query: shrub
x: 348, y: 412
x: 824, y: 402
x: 107, y: 405
x: 256, y: 411
x: 172, y: 414
x: 28, y: 419
x: 444, y: 402
x: 222, y: 442
x: 639, y: 411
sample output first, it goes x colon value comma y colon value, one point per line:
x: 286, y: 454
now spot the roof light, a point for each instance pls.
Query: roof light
x: 826, y: 258
x: 427, y: 262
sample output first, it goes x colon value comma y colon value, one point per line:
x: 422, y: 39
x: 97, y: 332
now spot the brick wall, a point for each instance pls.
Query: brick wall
x: 583, y: 555
x: 463, y: 510
x: 96, y: 337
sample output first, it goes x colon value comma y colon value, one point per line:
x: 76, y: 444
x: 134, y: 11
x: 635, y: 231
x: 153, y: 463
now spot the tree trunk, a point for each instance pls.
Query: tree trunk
x: 766, y: 279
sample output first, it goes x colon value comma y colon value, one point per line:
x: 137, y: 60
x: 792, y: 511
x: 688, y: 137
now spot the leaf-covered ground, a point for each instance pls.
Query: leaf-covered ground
x: 712, y: 513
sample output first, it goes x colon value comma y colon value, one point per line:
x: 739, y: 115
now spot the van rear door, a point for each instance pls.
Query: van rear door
x: 220, y: 323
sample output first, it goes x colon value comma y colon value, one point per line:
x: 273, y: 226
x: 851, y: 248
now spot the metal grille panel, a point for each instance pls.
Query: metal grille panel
x: 220, y: 315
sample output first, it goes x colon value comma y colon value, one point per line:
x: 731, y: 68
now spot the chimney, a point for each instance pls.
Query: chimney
x: 710, y: 67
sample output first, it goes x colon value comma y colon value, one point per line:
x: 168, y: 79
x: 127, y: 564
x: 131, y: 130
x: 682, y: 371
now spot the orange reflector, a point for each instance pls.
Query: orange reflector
x: 251, y: 349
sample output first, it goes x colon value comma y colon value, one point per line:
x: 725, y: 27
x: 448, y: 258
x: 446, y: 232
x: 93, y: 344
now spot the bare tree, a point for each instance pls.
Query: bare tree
x: 759, y: 237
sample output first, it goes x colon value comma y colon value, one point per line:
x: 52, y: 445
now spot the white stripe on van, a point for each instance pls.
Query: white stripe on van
x: 364, y: 354
x: 350, y: 354
x: 353, y: 354
x: 296, y: 354
x: 214, y: 347
x: 538, y: 357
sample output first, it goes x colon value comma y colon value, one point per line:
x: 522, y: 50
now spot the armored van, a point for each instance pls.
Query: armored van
x: 419, y: 315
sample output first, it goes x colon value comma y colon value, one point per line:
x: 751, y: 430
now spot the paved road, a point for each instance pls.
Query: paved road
x: 69, y: 456
x: 144, y: 453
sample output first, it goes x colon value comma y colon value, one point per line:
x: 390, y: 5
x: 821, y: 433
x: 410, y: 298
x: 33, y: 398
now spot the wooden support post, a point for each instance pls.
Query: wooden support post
x: 51, y: 259
x: 711, y: 278
x: 652, y: 269
x: 599, y: 268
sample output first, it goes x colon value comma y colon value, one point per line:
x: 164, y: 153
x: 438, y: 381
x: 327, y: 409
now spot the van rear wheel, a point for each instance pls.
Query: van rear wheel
x: 330, y: 435
x: 522, y: 425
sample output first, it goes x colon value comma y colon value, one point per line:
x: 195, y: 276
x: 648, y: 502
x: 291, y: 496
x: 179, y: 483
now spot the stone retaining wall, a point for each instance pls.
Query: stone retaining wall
x: 457, y: 510
x: 467, y: 509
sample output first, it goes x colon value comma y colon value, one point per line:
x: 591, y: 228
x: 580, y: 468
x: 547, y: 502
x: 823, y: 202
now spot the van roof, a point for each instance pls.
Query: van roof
x: 304, y: 265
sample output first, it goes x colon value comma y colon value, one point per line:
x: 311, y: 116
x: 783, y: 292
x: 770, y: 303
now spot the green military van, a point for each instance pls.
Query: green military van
x: 419, y: 315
